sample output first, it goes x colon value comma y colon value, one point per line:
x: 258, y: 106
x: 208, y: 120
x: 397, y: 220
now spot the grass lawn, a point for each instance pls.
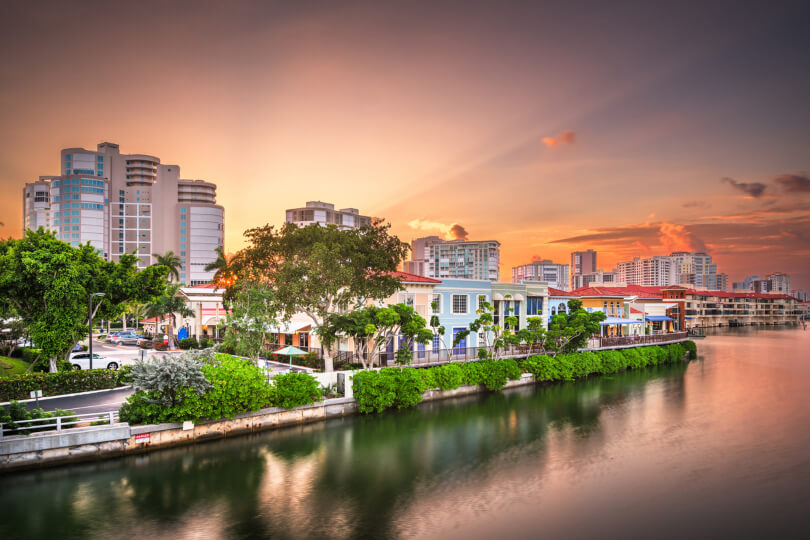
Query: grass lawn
x: 10, y: 367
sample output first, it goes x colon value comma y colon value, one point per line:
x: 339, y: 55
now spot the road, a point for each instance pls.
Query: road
x: 96, y: 402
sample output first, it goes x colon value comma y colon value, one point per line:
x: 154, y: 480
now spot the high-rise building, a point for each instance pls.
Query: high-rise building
x: 598, y: 278
x: 779, y: 283
x: 325, y: 214
x: 582, y: 262
x: 800, y: 295
x: 745, y: 285
x: 697, y: 270
x: 542, y: 270
x: 128, y: 203
x: 437, y: 258
x: 657, y: 271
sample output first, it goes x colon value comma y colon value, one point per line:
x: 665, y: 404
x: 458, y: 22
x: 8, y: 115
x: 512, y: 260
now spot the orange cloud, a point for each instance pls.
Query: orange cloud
x: 566, y: 137
x: 677, y: 238
x: 451, y: 231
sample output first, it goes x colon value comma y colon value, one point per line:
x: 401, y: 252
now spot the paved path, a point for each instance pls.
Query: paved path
x: 86, y: 403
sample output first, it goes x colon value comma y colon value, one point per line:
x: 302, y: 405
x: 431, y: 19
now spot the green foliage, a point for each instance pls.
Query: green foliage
x: 493, y: 374
x: 320, y: 270
x: 168, y: 376
x: 236, y: 386
x: 58, y: 383
x: 446, y: 377
x: 568, y: 332
x: 12, y: 367
x: 566, y: 367
x: 254, y: 312
x: 47, y: 282
x: 691, y: 348
x: 17, y: 412
x: 295, y: 389
x: 171, y: 262
x: 170, y: 303
x: 376, y: 391
x: 124, y: 375
x: 160, y: 345
x: 188, y: 343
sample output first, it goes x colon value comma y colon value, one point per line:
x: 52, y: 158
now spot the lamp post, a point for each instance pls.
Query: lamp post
x: 90, y: 323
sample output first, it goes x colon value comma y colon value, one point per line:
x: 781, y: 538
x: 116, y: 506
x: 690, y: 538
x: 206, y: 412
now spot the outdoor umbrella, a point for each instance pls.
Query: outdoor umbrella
x: 290, y: 351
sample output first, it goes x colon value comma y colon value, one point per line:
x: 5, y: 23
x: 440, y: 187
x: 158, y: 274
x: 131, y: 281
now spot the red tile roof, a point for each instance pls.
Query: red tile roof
x: 204, y: 286
x: 557, y: 292
x: 407, y: 277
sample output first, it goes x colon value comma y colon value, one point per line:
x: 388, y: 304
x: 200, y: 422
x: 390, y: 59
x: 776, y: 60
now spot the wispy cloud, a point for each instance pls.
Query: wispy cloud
x: 451, y: 231
x: 566, y: 137
x: 794, y: 183
x: 752, y: 189
x: 696, y: 204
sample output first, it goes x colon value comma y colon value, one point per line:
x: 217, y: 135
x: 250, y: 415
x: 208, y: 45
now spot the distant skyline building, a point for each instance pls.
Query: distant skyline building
x: 435, y: 257
x: 324, y: 213
x: 779, y: 283
x: 128, y: 203
x: 582, y: 262
x: 656, y: 271
x: 600, y: 277
x: 543, y: 270
x: 696, y: 269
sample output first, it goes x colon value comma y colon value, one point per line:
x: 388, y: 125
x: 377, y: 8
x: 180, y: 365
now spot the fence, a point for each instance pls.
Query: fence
x: 600, y: 342
x: 58, y: 423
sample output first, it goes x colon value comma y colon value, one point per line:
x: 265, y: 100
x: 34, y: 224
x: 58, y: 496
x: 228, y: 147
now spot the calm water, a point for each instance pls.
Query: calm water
x: 716, y: 448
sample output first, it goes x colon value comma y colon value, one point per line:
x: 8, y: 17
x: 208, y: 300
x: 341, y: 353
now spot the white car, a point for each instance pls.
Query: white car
x: 81, y: 360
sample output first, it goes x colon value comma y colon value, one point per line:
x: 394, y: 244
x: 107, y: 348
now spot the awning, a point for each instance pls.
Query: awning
x: 658, y: 318
x: 291, y: 327
x: 617, y: 320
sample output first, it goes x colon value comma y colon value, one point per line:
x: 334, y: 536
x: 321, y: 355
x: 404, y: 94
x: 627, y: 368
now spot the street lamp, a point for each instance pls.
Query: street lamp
x: 90, y: 323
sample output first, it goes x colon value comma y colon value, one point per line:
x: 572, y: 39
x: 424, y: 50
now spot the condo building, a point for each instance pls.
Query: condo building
x: 128, y: 203
x: 582, y: 262
x: 437, y: 258
x: 556, y: 275
x: 657, y: 271
x: 324, y: 213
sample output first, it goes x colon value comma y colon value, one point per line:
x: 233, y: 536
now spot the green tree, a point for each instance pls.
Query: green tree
x: 170, y: 261
x: 171, y: 304
x: 568, y: 332
x: 254, y: 314
x: 319, y: 270
x: 48, y: 283
x: 372, y: 327
x: 220, y: 266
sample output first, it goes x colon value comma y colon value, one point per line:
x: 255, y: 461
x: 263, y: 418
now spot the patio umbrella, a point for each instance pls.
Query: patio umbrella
x: 290, y: 351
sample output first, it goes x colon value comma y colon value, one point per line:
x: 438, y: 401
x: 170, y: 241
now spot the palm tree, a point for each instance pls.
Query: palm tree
x: 171, y: 304
x: 220, y: 264
x: 137, y: 310
x: 170, y: 261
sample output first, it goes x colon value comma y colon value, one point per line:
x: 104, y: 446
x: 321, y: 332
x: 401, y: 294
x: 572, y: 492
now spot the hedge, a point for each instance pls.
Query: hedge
x: 376, y: 391
x: 61, y: 382
x: 566, y: 367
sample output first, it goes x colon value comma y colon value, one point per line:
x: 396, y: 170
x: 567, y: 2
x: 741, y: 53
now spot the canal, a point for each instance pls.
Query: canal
x: 719, y: 447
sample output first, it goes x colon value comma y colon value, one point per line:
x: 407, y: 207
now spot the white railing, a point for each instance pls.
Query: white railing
x: 58, y: 423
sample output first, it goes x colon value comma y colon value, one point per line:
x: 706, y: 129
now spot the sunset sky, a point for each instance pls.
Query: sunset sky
x: 633, y: 128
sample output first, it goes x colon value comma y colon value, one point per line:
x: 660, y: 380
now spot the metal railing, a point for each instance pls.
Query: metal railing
x: 58, y: 423
x: 601, y: 342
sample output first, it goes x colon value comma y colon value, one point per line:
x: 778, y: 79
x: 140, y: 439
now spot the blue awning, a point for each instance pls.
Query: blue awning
x: 658, y: 318
x: 617, y: 320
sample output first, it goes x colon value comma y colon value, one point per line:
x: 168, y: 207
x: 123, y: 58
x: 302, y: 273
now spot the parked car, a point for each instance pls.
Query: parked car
x: 145, y: 343
x: 124, y: 338
x: 81, y: 360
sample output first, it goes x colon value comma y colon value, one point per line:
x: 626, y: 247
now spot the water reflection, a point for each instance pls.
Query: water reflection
x: 626, y: 449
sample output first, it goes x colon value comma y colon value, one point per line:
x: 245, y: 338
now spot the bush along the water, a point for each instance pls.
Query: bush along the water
x: 202, y: 385
x: 691, y: 347
x: 566, y: 367
x: 17, y: 412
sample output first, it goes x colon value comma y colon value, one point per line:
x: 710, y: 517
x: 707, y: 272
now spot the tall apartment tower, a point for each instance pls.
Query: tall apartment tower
x: 324, y: 213
x: 542, y: 270
x: 779, y: 283
x: 657, y: 271
x: 698, y: 270
x: 435, y: 257
x: 582, y: 262
x: 128, y: 203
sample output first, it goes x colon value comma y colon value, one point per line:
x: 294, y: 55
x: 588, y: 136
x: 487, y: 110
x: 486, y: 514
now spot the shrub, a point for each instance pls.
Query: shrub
x: 159, y: 345
x: 168, y: 375
x: 124, y: 375
x: 295, y: 389
x: 633, y: 358
x: 373, y: 392
x: 612, y: 361
x: 446, y: 377
x: 493, y: 374
x: 16, y: 412
x: 409, y: 386
x: 544, y: 368
x: 429, y: 377
x: 145, y: 344
x: 691, y: 348
x: 54, y: 384
x: 188, y: 343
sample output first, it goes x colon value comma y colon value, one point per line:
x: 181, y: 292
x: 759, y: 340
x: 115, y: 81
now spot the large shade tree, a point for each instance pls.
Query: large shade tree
x: 318, y: 270
x: 568, y: 332
x: 48, y: 283
x: 254, y: 314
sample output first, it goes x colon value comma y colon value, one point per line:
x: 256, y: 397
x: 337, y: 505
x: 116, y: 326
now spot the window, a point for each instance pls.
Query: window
x: 534, y: 306
x: 437, y: 304
x: 406, y: 298
x: 481, y: 299
x: 459, y: 303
